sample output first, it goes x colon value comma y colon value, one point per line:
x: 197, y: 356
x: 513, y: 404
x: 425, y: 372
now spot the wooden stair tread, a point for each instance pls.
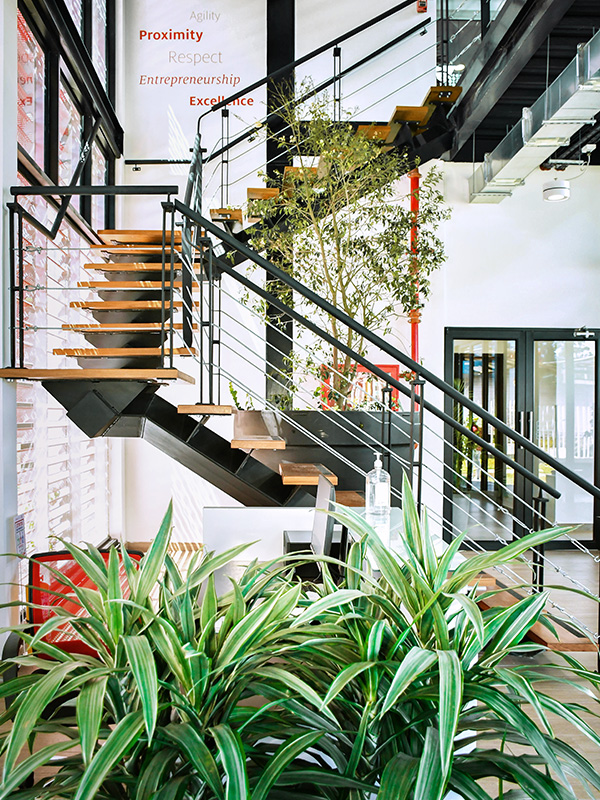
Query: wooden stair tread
x: 121, y: 327
x: 298, y: 474
x: 128, y: 284
x: 136, y: 237
x: 442, y: 94
x: 141, y: 266
x: 123, y: 305
x: 568, y: 640
x: 380, y: 132
x: 205, y: 408
x: 112, y: 352
x: 153, y: 375
x: 350, y: 498
x: 132, y: 249
x: 227, y: 215
x: 258, y: 442
x: 262, y: 193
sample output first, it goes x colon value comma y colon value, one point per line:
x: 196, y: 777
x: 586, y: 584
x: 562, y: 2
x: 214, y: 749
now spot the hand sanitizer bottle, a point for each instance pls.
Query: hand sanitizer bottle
x: 377, y: 500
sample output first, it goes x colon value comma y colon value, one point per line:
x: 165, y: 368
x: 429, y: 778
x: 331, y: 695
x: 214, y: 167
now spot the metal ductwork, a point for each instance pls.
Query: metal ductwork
x: 569, y: 103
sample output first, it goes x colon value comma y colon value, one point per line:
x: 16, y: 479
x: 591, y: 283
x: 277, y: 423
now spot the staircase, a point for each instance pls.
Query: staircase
x: 157, y: 297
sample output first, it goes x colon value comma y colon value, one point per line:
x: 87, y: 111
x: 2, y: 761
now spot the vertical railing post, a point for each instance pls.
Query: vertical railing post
x: 12, y: 285
x: 337, y: 83
x: 224, y: 157
x: 539, y: 514
x: 386, y: 426
x: 417, y: 388
x: 21, y: 287
x: 211, y: 322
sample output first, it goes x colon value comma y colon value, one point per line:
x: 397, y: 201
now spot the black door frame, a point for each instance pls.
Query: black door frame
x: 524, y: 339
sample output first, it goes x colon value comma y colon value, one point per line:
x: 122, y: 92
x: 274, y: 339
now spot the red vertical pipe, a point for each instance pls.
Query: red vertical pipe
x: 414, y: 315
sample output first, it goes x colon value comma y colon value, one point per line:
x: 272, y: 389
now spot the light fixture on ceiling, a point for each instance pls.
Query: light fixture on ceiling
x: 556, y: 191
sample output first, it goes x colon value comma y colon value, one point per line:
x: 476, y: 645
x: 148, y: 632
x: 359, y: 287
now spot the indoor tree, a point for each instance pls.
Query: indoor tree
x: 341, y: 224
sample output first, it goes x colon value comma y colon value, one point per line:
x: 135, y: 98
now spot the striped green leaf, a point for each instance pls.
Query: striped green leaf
x: 96, y: 572
x: 30, y: 710
x: 211, y: 564
x: 23, y: 770
x: 398, y: 777
x: 524, y: 614
x: 451, y: 687
x: 90, y: 707
x: 117, y: 745
x: 348, y: 674
x: 283, y: 757
x: 414, y: 664
x: 292, y: 681
x: 430, y: 783
x: 472, y: 612
x: 198, y: 755
x: 233, y: 761
x: 153, y: 772
x: 152, y: 563
x: 468, y: 788
x: 114, y: 595
x: 143, y: 666
x: 326, y: 603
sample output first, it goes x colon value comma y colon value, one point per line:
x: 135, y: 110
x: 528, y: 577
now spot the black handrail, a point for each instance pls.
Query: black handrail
x: 279, y: 73
x: 322, y: 86
x: 380, y: 343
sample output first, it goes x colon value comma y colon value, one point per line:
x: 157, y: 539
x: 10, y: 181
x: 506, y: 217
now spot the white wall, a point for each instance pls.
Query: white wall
x: 522, y: 263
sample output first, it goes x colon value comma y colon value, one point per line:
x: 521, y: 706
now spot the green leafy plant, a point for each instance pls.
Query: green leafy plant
x: 343, y: 228
x: 426, y: 689
x: 168, y: 707
x: 396, y: 685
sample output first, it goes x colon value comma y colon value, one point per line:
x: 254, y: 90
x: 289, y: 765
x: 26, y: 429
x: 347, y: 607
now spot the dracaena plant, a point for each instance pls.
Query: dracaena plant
x: 171, y: 705
x: 426, y: 698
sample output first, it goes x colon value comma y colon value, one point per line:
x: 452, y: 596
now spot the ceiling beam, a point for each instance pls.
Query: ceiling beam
x: 513, y: 38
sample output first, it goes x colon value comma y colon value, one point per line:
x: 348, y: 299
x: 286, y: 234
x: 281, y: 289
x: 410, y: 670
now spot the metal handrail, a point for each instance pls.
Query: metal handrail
x: 368, y: 335
x: 279, y: 73
x: 320, y: 88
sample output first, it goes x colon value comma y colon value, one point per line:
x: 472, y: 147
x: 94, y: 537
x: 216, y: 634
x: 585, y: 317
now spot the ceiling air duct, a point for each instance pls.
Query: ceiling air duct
x: 569, y: 103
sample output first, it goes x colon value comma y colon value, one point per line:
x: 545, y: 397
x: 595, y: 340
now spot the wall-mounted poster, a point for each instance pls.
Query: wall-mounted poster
x: 181, y: 59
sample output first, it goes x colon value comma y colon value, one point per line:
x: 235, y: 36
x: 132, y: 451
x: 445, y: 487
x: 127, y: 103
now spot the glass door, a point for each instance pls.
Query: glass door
x: 542, y: 383
x: 564, y: 424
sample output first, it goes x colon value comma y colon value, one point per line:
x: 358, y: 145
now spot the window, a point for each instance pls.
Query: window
x: 30, y: 76
x: 62, y: 476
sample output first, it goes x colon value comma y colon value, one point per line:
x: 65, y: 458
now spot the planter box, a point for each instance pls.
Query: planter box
x: 354, y: 435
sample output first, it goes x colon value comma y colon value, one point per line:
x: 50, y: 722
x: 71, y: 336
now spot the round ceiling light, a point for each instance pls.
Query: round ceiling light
x: 557, y: 191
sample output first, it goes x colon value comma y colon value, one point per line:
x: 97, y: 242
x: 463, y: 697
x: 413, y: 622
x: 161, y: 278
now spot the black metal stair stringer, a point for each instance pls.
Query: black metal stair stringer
x: 206, y: 453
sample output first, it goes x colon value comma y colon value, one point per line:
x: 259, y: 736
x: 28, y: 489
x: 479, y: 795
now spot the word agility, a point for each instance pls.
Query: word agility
x: 187, y: 35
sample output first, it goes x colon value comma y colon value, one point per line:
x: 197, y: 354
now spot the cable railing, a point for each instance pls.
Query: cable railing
x: 498, y: 530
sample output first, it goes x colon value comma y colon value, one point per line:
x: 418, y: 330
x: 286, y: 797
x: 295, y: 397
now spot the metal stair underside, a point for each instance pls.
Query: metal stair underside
x: 133, y: 409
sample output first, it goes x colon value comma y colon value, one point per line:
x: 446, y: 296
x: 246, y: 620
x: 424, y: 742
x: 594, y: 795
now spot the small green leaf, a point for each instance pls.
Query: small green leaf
x: 451, y: 686
x: 118, y: 744
x: 415, y: 662
x: 30, y: 710
x: 233, y: 761
x: 283, y: 757
x: 198, y: 755
x: 398, y: 777
x: 90, y: 707
x: 141, y: 659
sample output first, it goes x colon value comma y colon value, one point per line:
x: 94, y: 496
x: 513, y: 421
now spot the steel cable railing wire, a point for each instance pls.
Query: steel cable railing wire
x: 250, y: 130
x: 294, y: 423
x: 424, y: 373
x: 379, y: 445
x: 506, y: 572
x: 252, y: 172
